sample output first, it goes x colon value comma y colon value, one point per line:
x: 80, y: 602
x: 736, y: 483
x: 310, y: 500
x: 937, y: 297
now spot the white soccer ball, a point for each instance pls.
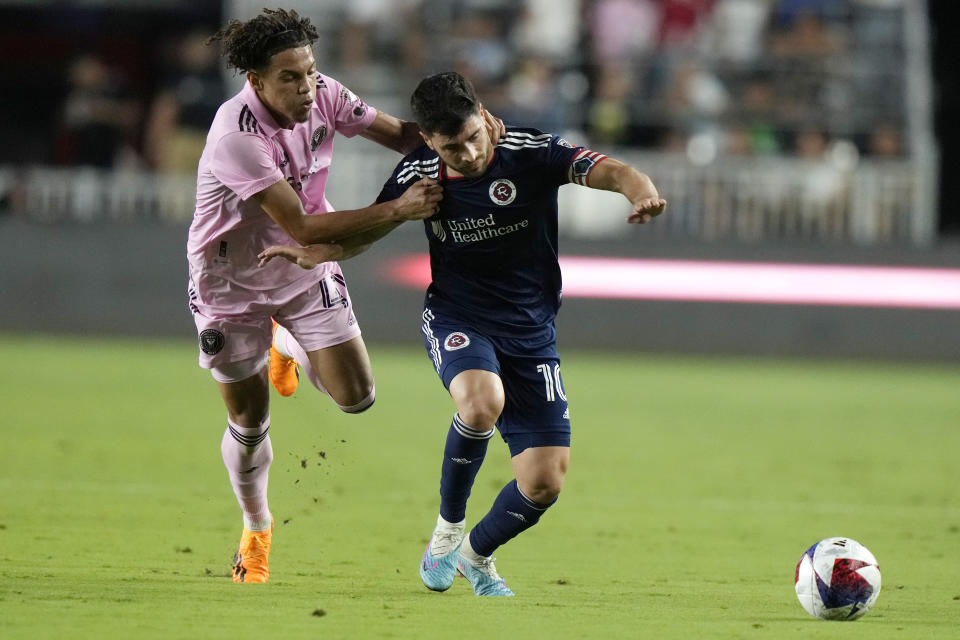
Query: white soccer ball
x: 837, y: 579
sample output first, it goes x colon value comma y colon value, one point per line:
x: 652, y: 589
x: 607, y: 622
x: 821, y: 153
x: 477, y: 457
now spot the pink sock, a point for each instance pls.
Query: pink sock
x: 247, y: 454
x: 288, y: 346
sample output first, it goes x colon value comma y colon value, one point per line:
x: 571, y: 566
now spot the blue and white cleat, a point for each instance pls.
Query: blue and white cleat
x: 483, y: 576
x: 438, y: 571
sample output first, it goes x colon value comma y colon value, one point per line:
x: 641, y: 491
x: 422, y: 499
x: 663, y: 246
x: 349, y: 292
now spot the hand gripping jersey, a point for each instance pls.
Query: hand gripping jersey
x: 246, y: 152
x: 493, y: 244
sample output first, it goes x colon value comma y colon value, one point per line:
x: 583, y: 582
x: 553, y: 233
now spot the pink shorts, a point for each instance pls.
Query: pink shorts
x: 233, y: 323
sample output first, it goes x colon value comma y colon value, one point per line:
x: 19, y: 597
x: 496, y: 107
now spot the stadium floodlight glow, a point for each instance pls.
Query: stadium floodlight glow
x: 738, y: 282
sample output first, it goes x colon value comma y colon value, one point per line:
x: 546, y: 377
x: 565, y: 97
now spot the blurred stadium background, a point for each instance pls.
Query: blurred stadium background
x: 794, y: 140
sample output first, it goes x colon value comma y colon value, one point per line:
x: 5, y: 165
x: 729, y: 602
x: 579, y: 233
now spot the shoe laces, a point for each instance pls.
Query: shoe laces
x: 486, y: 566
x: 447, y: 540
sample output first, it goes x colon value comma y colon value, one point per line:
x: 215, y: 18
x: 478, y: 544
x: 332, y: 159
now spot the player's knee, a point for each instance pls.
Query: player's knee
x: 480, y: 413
x: 544, y: 488
x: 362, y: 402
x: 248, y: 419
x: 248, y: 416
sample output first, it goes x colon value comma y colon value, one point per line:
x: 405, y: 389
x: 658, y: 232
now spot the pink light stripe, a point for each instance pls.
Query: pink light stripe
x: 740, y: 282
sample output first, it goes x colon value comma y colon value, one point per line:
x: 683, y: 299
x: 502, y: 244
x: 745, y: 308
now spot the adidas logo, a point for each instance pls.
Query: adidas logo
x: 566, y: 413
x: 461, y: 460
x: 518, y: 516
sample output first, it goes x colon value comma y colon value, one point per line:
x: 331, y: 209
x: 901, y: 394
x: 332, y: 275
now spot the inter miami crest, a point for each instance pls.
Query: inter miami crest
x: 211, y: 341
x: 319, y: 134
x: 503, y: 192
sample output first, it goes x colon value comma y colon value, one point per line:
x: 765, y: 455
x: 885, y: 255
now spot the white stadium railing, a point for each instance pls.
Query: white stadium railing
x: 765, y: 199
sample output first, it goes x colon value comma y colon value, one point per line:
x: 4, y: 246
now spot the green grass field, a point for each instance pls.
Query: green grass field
x: 695, y: 486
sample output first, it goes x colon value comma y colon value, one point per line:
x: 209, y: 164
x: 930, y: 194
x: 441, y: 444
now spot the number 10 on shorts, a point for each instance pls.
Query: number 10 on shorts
x: 551, y: 380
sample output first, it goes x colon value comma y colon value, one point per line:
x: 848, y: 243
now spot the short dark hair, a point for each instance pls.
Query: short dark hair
x: 250, y: 45
x: 443, y: 102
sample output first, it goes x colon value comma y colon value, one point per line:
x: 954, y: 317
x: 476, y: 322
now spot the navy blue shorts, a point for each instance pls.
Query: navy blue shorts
x: 535, y: 412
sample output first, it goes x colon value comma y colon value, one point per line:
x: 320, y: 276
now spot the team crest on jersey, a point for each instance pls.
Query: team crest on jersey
x: 564, y: 143
x: 503, y: 192
x: 319, y: 134
x: 211, y: 341
x: 456, y: 340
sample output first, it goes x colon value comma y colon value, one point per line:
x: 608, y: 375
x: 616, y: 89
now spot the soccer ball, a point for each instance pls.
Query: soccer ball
x: 837, y: 579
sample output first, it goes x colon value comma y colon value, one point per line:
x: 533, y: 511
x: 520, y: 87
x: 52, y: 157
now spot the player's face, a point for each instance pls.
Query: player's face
x: 469, y: 151
x: 288, y: 86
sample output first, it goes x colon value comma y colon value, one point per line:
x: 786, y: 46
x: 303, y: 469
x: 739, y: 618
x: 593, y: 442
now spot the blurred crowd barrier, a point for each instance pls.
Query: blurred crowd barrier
x: 758, y: 119
x: 837, y: 199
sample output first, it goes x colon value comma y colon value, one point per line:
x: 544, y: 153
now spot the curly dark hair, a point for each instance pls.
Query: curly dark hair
x: 443, y: 102
x: 250, y: 45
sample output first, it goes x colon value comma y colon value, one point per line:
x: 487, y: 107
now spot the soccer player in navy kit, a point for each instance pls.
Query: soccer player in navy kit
x: 488, y: 318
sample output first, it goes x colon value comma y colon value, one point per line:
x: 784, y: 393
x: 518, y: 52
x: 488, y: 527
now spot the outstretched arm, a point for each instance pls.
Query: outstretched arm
x: 351, y: 244
x: 310, y: 256
x: 393, y: 133
x: 282, y: 204
x: 403, y: 136
x: 306, y: 257
x: 637, y: 187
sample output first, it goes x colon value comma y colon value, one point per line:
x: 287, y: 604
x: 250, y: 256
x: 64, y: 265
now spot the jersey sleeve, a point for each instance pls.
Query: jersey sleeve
x: 582, y: 164
x: 243, y: 162
x: 392, y: 188
x: 351, y: 114
x: 407, y: 172
x: 571, y: 163
x: 389, y: 192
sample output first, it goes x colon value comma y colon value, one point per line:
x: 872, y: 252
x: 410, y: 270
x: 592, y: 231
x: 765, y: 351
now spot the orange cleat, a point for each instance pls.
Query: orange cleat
x: 284, y: 373
x: 251, y: 562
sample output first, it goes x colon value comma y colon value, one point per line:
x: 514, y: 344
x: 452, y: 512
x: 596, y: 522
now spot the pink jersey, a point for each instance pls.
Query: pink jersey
x: 246, y: 152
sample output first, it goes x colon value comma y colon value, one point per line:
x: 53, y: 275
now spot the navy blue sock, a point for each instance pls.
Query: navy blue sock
x: 462, y: 457
x: 511, y: 514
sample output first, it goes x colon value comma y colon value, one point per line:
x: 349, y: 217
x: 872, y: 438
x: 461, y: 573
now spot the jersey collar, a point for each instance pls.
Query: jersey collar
x: 260, y: 112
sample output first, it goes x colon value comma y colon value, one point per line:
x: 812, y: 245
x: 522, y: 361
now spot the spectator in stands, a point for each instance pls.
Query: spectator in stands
x: 622, y: 30
x: 182, y: 111
x: 534, y: 95
x: 804, y: 33
x: 549, y: 29
x: 885, y: 141
x: 608, y: 117
x: 99, y: 117
x: 738, y: 29
x: 759, y: 104
x: 681, y: 21
x: 377, y: 30
x: 820, y: 184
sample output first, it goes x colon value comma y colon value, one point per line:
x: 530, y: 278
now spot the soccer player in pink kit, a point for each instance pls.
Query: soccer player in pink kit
x: 261, y: 182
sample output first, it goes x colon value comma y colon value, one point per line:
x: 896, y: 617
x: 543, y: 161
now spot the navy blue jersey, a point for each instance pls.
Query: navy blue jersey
x: 493, y: 243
